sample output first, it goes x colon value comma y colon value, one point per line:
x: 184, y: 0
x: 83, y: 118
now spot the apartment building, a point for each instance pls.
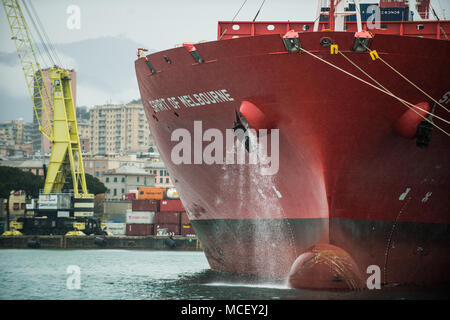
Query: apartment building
x: 84, y: 131
x: 125, y: 179
x: 16, y: 131
x: 162, y: 177
x: 97, y: 166
x: 119, y: 129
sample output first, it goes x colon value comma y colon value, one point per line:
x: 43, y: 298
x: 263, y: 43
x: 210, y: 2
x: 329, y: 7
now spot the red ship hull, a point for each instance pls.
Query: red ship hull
x: 346, y: 177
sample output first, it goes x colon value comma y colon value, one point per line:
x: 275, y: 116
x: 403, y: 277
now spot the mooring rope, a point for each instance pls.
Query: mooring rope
x: 409, y: 81
x: 410, y: 105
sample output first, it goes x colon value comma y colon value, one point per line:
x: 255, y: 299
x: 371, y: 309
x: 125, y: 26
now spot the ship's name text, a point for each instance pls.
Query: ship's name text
x: 191, y: 100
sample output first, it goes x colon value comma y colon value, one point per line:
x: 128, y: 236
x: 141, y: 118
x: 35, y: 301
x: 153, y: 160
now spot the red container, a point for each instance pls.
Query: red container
x: 145, y: 205
x: 128, y: 196
x: 184, y: 218
x: 167, y: 217
x: 186, y: 229
x: 171, y: 227
x: 134, y: 229
x: 171, y: 205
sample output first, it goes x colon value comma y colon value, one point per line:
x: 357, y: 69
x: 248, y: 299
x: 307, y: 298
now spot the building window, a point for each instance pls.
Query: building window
x: 161, y: 173
x: 123, y: 190
x: 115, y: 179
x: 160, y: 180
x: 16, y: 206
x: 107, y: 179
x: 123, y: 179
x: 167, y: 180
x: 137, y: 179
x: 115, y: 192
x: 22, y: 206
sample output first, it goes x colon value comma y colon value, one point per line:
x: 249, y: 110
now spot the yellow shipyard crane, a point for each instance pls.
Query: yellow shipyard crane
x: 51, y: 94
x: 54, y: 110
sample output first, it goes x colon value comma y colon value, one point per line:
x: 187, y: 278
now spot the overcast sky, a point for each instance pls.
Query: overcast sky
x: 157, y: 24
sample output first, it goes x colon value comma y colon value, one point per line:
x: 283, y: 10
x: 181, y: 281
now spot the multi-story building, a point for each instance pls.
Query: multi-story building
x: 162, y: 178
x: 98, y: 165
x: 125, y: 179
x: 15, y: 131
x: 119, y: 129
x: 84, y: 131
x: 15, y: 138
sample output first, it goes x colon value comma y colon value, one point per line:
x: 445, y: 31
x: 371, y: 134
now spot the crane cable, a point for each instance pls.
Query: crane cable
x: 48, y: 41
x: 410, y: 105
x: 38, y: 48
x: 43, y: 37
x: 260, y: 7
x: 243, y: 4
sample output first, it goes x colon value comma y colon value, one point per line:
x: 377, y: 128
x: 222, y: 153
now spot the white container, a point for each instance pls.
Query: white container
x: 48, y: 201
x: 142, y: 217
x: 55, y: 201
x: 117, y: 229
x: 172, y: 193
x: 63, y: 214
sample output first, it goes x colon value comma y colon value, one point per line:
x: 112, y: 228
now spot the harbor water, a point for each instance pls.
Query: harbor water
x: 27, y: 274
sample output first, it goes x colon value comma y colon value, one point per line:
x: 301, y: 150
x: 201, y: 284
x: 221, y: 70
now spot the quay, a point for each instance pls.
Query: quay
x: 109, y: 242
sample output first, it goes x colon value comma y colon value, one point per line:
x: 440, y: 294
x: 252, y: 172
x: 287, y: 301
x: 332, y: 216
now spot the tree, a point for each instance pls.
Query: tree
x: 94, y: 185
x: 14, y: 179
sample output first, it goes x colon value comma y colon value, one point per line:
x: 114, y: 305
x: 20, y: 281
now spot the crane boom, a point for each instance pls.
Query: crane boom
x: 54, y: 110
x: 30, y: 65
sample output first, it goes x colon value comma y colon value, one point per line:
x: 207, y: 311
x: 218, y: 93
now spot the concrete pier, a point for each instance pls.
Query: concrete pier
x: 112, y: 242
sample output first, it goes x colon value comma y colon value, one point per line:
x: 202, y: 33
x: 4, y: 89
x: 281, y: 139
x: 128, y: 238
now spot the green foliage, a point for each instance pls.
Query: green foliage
x: 14, y: 179
x: 94, y: 185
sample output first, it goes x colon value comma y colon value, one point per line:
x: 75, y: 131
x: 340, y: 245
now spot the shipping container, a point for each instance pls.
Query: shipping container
x: 171, y: 205
x: 171, y: 227
x: 185, y: 218
x: 117, y: 217
x: 172, y: 193
x: 128, y: 196
x: 394, y: 14
x: 139, y: 229
x: 167, y: 217
x: 186, y: 229
x: 55, y: 201
x: 117, y: 229
x: 116, y: 207
x: 151, y: 193
x: 143, y: 217
x: 145, y: 205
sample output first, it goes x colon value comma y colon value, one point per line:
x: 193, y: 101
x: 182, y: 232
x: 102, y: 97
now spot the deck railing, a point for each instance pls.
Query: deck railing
x: 423, y: 29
